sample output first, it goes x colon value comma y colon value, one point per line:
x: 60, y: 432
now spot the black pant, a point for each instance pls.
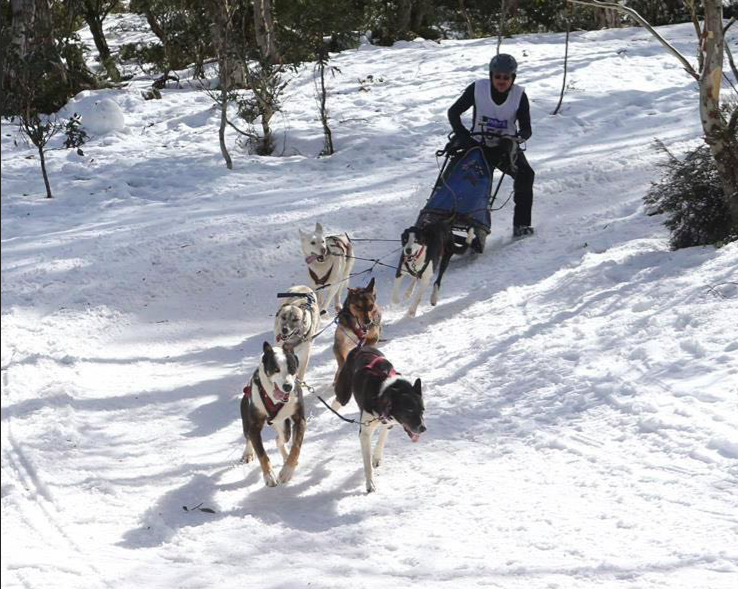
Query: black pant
x: 499, y: 157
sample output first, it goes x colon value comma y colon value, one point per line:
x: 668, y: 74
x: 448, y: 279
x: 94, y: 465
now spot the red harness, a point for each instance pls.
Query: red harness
x: 271, y: 407
x: 376, y: 372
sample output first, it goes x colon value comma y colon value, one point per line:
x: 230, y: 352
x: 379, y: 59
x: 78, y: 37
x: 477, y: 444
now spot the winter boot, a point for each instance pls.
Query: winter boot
x: 522, y: 230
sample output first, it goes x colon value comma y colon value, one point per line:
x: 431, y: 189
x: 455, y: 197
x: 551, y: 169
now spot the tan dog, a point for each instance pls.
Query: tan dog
x: 296, y: 322
x: 359, y: 322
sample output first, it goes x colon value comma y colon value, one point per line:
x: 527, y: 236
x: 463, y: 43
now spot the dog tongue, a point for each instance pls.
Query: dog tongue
x: 311, y: 258
x: 281, y: 396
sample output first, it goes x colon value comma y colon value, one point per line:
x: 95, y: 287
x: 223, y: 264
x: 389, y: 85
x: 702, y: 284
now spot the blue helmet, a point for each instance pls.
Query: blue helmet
x: 503, y: 64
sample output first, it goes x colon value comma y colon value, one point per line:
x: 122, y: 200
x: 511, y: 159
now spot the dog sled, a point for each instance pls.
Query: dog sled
x: 463, y: 193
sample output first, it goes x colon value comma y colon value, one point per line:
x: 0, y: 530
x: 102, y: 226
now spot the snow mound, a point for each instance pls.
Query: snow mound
x: 104, y: 116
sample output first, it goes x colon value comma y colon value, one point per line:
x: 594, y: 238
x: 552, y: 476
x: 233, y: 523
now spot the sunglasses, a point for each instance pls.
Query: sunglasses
x: 503, y: 77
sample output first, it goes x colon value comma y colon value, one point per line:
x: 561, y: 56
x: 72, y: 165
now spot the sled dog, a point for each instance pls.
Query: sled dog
x: 384, y: 399
x: 425, y: 250
x: 296, y: 322
x: 330, y: 261
x: 273, y: 396
x: 359, y: 322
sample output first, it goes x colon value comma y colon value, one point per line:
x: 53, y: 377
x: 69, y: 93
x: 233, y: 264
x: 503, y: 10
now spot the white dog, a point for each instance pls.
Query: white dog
x: 330, y: 259
x: 296, y: 323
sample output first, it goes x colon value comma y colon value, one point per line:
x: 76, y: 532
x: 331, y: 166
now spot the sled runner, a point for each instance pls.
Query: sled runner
x: 463, y: 190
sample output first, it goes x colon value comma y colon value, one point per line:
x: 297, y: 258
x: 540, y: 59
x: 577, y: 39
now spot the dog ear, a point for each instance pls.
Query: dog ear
x: 293, y: 362
x: 318, y: 228
x: 370, y: 286
x: 417, y: 387
x: 269, y: 359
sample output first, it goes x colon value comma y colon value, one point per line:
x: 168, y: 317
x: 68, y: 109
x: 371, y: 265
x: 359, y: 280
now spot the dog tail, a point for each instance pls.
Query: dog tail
x: 345, y: 376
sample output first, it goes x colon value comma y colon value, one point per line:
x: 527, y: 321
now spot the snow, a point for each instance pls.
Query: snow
x: 581, y: 386
x: 99, y: 117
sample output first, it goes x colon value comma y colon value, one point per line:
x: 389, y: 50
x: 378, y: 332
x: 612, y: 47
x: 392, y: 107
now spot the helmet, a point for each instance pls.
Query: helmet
x: 503, y: 64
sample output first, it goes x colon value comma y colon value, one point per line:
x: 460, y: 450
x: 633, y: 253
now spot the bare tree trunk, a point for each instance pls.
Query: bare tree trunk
x: 723, y: 144
x: 221, y: 26
x: 501, y: 26
x: 729, y: 53
x: 94, y: 20
x: 404, y: 14
x: 264, y: 30
x: 23, y: 15
x: 566, y: 62
x: 697, y: 29
x: 221, y: 129
x: 322, y: 99
x: 469, y: 28
x: 43, y: 171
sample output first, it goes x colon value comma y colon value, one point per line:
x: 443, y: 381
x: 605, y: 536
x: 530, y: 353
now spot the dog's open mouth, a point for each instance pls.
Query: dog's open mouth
x: 411, y: 434
x: 280, y: 395
x: 313, y: 257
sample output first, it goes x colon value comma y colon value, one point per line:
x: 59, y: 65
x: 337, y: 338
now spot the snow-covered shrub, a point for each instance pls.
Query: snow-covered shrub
x: 691, y: 195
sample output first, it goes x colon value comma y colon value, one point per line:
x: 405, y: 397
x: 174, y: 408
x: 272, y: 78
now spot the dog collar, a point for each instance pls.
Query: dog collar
x: 416, y: 256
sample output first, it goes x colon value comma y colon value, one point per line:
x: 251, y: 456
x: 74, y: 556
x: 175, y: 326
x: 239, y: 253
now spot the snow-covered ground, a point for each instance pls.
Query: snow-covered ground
x: 581, y: 386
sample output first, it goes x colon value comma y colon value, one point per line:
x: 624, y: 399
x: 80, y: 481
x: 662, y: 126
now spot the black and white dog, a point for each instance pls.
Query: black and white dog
x: 384, y: 399
x: 425, y: 250
x: 296, y: 322
x: 330, y: 259
x: 273, y: 396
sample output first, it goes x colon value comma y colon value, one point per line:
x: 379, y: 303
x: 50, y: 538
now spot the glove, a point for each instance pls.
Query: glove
x: 463, y: 140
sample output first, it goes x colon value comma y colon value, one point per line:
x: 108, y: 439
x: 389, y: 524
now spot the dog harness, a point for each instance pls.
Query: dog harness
x: 359, y: 330
x: 307, y: 312
x: 331, y: 241
x: 384, y: 415
x: 271, y: 407
x: 371, y: 367
x: 409, y: 262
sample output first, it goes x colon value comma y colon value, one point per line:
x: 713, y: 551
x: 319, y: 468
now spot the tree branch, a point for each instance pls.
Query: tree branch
x: 644, y: 23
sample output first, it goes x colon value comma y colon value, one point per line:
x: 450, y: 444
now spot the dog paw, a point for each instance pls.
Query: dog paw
x: 434, y: 296
x: 269, y: 479
x: 247, y: 456
x: 411, y: 312
x: 370, y: 488
x: 376, y: 461
x: 286, y: 473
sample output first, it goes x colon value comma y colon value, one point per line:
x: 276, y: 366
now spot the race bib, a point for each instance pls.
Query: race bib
x: 492, y: 124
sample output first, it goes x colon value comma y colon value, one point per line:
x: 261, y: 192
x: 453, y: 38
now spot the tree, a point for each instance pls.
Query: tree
x: 39, y: 129
x: 307, y: 25
x: 222, y: 12
x: 41, y: 37
x: 720, y: 131
x: 95, y: 12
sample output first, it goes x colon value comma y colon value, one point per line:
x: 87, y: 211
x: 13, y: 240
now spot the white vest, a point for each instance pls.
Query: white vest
x: 495, y: 118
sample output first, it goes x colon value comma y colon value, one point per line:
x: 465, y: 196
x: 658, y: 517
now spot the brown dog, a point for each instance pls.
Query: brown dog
x: 273, y: 396
x: 359, y: 322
